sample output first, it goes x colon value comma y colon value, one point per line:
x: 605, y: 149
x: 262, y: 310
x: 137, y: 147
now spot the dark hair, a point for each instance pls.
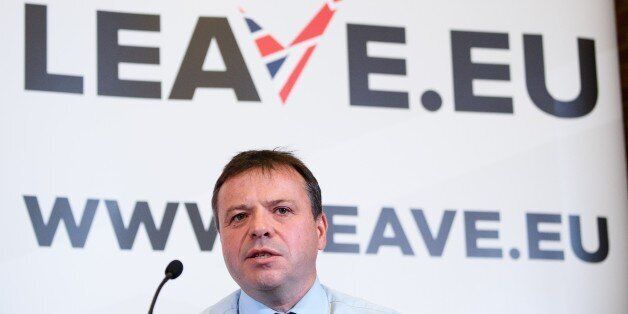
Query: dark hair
x: 268, y: 160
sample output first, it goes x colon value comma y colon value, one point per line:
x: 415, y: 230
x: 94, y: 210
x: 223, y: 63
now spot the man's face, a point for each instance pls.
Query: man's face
x: 269, y: 236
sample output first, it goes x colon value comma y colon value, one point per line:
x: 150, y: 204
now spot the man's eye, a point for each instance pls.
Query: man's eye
x: 238, y: 217
x: 283, y: 210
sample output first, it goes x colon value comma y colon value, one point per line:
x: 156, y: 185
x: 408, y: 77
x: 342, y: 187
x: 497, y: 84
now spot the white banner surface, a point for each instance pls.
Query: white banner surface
x: 470, y: 153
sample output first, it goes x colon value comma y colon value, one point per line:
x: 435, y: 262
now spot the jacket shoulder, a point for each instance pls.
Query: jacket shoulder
x: 227, y: 305
x: 343, y: 303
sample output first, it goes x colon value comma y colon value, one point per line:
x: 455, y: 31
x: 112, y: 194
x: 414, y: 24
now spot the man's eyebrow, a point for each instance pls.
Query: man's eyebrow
x: 278, y: 201
x: 237, y: 207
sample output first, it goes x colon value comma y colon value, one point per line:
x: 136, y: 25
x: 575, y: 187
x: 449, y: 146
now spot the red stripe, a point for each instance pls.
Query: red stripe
x: 317, y: 25
x: 267, y: 45
x: 285, y: 90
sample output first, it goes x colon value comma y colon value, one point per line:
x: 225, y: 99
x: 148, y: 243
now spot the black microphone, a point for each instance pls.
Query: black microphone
x: 174, y: 270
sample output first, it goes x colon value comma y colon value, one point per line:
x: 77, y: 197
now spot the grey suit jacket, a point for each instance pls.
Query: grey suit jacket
x: 339, y: 303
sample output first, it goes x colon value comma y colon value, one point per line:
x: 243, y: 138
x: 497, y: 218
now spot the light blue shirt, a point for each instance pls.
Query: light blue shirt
x: 334, y: 303
x: 313, y: 302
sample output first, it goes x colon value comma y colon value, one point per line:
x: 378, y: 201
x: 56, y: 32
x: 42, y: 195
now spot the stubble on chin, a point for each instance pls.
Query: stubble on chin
x: 265, y: 279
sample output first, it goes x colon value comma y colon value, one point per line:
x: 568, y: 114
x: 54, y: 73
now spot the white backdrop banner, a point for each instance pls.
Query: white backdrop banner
x: 470, y: 153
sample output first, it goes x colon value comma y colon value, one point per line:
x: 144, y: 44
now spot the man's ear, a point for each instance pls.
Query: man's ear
x: 321, y: 229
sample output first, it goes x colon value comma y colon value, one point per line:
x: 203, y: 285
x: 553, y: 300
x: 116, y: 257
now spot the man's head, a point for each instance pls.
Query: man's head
x: 267, y: 160
x: 268, y: 211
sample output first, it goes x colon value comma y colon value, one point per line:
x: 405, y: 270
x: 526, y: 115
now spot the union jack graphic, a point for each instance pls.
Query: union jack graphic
x: 274, y: 54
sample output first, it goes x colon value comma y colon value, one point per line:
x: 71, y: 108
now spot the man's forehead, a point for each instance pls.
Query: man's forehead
x: 261, y: 179
x: 268, y: 173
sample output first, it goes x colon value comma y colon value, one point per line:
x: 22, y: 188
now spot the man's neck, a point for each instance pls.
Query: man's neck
x: 283, y: 298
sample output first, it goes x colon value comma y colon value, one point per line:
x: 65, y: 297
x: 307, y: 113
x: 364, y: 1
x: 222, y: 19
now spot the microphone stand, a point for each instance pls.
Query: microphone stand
x: 152, y: 304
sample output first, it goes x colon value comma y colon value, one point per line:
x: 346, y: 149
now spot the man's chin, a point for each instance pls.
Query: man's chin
x: 266, y: 280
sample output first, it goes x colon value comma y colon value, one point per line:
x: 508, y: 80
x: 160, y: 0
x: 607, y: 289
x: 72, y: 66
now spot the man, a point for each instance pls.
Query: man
x: 268, y: 212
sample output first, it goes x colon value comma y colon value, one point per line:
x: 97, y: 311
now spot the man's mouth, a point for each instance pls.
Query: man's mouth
x: 261, y: 253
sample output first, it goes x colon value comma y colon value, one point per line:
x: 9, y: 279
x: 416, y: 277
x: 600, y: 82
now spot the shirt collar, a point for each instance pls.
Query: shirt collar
x: 313, y: 302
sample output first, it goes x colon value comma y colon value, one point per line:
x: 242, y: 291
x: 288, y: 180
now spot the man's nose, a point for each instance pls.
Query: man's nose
x: 261, y: 224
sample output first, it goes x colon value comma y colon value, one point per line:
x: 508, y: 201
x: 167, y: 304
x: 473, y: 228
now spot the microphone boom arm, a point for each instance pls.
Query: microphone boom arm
x: 152, y: 304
